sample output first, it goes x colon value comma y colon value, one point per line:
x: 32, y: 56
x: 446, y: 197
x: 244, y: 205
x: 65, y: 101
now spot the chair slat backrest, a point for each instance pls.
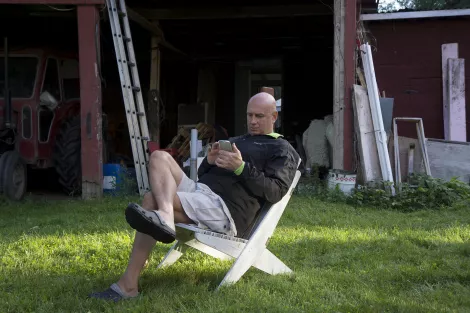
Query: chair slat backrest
x: 267, y: 207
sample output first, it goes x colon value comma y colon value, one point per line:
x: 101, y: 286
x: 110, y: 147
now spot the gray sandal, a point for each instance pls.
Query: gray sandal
x: 150, y: 223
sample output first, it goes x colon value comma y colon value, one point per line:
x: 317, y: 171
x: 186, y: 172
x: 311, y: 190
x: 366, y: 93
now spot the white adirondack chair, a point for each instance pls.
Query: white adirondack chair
x: 247, y: 252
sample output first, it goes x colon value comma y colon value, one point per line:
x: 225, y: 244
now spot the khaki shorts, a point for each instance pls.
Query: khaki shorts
x: 205, y: 207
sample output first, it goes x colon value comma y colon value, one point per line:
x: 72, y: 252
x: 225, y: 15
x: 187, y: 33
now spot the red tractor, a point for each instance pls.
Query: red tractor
x: 39, y: 118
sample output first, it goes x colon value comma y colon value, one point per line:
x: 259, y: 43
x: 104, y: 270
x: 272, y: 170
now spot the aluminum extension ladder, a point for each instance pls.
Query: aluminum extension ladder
x: 131, y: 91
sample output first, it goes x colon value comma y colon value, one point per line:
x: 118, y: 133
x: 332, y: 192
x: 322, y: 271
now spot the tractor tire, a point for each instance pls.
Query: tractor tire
x: 3, y: 158
x: 67, y: 156
x: 14, y: 174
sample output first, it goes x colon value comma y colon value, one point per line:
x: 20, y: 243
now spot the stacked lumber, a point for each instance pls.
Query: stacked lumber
x: 182, y: 140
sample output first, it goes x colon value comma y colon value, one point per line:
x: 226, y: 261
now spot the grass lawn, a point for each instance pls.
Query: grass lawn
x: 345, y: 259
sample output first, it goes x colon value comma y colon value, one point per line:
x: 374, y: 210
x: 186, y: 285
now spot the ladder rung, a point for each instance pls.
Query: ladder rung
x: 131, y: 90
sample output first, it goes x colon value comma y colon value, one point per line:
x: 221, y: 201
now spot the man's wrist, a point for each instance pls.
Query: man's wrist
x: 239, y: 170
x: 207, y: 160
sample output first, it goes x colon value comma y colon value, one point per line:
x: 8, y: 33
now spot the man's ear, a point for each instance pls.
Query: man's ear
x: 275, y: 116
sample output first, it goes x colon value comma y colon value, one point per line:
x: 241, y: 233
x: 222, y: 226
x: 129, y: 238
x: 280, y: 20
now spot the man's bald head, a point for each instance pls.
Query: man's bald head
x: 263, y: 99
x: 261, y: 114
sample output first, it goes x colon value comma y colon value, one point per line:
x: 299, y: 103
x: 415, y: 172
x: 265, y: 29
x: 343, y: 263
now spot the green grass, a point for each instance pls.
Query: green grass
x: 345, y: 259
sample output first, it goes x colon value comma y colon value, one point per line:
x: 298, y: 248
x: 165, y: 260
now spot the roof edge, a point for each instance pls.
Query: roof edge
x: 414, y: 15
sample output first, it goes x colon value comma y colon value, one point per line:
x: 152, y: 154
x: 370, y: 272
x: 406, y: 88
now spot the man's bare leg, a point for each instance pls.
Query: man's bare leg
x: 164, y: 176
x: 160, y: 167
x: 143, y: 245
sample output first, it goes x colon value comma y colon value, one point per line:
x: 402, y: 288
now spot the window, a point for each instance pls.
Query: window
x: 21, y: 76
x: 27, y: 122
x: 51, y: 80
x: 70, y: 79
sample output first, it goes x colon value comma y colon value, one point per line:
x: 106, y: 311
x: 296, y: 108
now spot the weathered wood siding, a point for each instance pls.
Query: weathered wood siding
x: 408, y: 67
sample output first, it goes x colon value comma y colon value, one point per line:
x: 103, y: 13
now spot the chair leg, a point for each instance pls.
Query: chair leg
x: 176, y: 251
x: 269, y: 263
x: 242, y: 264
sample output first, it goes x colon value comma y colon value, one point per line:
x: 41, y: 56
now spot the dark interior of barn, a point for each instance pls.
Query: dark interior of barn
x: 235, y: 48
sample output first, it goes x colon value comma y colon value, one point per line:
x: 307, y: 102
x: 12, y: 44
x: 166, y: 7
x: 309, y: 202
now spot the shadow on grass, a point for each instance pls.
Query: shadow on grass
x: 357, y: 276
x: 25, y: 290
x: 358, y: 262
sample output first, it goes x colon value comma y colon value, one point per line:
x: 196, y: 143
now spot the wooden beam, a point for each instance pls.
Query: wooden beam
x: 456, y: 87
x: 349, y: 58
x: 145, y: 23
x: 154, y: 106
x: 344, y: 59
x: 236, y: 12
x: 151, y: 27
x: 369, y: 169
x: 338, y: 85
x: 449, y: 51
x: 90, y: 95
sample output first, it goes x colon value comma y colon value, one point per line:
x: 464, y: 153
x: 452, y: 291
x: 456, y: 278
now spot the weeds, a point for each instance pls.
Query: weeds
x: 422, y: 192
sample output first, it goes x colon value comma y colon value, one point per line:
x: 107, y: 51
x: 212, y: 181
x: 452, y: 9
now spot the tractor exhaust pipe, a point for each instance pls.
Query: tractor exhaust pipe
x: 6, y: 92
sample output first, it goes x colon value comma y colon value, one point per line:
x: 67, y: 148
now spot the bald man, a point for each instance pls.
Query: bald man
x: 231, y: 189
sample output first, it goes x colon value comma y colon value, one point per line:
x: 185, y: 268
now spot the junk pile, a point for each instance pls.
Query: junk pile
x: 377, y: 132
x: 380, y: 154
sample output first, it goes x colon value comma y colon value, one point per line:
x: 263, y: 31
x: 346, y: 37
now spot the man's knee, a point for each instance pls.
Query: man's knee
x: 159, y: 158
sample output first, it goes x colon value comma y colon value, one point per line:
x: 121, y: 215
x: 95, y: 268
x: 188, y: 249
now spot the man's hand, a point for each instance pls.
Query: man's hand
x: 229, y: 160
x: 213, y: 153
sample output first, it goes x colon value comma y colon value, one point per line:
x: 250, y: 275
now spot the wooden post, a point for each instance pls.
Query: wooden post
x: 450, y: 50
x: 456, y: 100
x: 344, y: 52
x: 338, y: 85
x: 90, y: 101
x: 154, y: 110
x: 349, y: 56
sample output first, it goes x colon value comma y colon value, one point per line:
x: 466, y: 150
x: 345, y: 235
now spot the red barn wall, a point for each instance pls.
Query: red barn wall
x: 408, y: 67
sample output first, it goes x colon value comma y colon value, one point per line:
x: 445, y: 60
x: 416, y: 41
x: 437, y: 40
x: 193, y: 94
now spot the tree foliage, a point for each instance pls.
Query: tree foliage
x: 422, y: 5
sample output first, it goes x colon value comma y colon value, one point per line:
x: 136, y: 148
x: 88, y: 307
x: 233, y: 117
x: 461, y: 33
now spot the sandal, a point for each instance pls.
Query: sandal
x: 113, y: 293
x: 150, y: 223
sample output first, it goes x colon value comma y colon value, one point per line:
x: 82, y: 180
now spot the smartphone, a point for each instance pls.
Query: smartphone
x: 225, y: 145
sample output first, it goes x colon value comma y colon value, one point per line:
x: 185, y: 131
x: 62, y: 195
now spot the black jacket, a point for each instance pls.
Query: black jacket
x: 270, y: 166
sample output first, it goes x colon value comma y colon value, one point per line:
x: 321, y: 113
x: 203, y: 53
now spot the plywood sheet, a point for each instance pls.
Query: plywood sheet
x: 449, y: 159
x: 364, y: 128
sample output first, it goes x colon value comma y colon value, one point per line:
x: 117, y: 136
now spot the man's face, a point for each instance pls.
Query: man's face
x: 260, y: 119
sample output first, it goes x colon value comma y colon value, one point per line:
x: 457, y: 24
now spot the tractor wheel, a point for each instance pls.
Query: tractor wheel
x: 3, y: 158
x: 67, y: 156
x: 14, y: 176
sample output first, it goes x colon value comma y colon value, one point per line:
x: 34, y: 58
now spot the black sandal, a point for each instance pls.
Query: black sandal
x: 150, y: 223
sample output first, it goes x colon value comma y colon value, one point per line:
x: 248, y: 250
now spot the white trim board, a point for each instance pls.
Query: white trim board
x: 415, y: 14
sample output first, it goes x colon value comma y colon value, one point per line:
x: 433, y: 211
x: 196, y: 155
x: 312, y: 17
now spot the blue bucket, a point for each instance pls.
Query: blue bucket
x: 118, y: 178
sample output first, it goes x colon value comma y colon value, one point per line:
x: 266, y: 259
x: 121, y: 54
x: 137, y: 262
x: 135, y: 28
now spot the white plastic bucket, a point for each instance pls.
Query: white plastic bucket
x: 345, y: 180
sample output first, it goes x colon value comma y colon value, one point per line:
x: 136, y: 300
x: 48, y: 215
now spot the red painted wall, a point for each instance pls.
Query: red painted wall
x: 408, y: 67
